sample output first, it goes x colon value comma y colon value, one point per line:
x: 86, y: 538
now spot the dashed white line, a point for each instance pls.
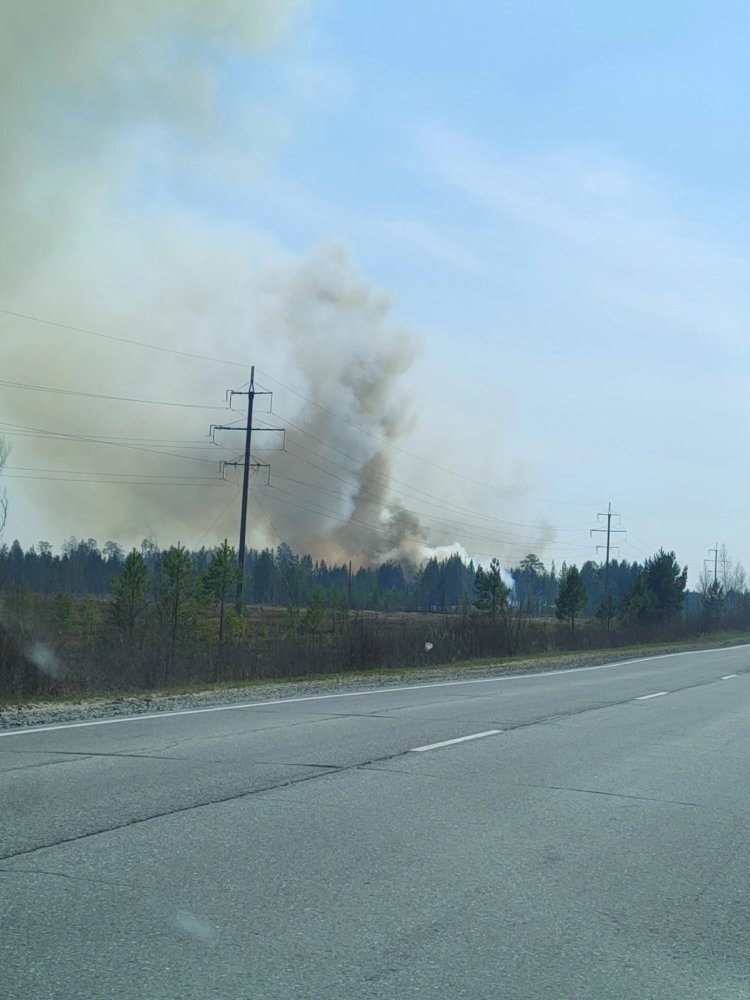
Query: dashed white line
x: 728, y: 677
x: 645, y: 697
x: 460, y: 739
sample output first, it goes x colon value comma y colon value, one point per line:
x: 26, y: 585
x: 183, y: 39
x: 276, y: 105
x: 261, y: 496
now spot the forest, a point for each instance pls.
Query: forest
x: 95, y: 619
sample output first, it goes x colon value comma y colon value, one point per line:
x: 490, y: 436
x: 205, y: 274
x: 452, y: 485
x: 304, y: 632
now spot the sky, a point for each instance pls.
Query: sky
x: 492, y: 259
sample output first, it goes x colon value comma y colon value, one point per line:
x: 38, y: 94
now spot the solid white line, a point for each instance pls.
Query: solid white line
x: 645, y: 697
x: 729, y: 677
x: 460, y: 739
x: 239, y: 706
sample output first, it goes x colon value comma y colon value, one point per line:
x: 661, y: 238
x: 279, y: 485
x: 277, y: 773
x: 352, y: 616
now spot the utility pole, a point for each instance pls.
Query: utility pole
x: 251, y: 393
x: 245, y: 485
x: 715, y: 594
x: 609, y: 530
x: 716, y: 563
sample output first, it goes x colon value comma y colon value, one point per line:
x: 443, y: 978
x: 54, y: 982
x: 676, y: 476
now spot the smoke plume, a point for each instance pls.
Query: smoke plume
x: 109, y: 112
x: 94, y: 89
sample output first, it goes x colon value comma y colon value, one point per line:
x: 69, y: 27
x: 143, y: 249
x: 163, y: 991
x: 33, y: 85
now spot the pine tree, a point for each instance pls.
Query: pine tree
x: 130, y: 593
x: 571, y: 598
x: 492, y: 592
x: 222, y: 574
x: 315, y: 612
x: 607, y: 611
x: 667, y: 582
x: 176, y: 591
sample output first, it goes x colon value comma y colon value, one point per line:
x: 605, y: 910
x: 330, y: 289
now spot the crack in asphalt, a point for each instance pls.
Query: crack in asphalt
x: 73, y: 878
x: 621, y: 795
x: 92, y: 753
x: 398, y: 770
x: 294, y: 763
x: 247, y: 793
x: 328, y: 770
x: 41, y: 763
x: 358, y: 715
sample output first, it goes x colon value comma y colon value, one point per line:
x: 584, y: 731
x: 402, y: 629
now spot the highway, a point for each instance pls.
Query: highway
x: 590, y: 840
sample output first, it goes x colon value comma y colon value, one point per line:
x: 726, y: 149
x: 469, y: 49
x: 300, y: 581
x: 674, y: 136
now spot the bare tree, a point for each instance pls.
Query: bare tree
x: 732, y: 574
x: 733, y: 580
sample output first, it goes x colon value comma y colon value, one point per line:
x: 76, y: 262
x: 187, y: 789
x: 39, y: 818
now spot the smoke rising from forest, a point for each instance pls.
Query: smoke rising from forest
x: 85, y: 82
x: 108, y: 103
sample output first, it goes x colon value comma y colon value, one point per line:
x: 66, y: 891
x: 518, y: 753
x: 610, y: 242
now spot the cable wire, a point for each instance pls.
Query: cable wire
x: 100, y: 395
x: 122, y: 340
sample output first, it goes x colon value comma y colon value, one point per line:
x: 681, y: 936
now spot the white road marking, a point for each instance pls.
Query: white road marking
x: 729, y: 677
x: 645, y: 697
x: 239, y: 706
x: 460, y: 739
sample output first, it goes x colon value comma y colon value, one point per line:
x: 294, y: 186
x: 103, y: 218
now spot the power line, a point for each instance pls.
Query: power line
x: 454, y: 527
x: 372, y: 434
x: 648, y: 545
x: 99, y: 395
x: 387, y: 481
x: 46, y: 433
x: 111, y: 482
x: 21, y: 430
x: 392, y: 480
x: 419, y: 458
x: 307, y: 399
x: 457, y: 528
x: 433, y: 501
x: 311, y: 506
x: 117, y: 475
x: 265, y: 513
x: 636, y: 548
x: 122, y: 340
x: 218, y: 517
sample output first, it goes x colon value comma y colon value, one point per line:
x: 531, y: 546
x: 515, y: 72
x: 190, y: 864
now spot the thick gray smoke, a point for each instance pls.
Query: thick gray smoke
x: 352, y: 356
x: 91, y: 89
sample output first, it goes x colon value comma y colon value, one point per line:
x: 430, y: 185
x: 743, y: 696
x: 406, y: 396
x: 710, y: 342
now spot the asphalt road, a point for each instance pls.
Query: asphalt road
x: 595, y: 844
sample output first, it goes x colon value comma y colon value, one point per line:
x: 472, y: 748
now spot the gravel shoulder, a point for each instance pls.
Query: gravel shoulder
x: 55, y: 712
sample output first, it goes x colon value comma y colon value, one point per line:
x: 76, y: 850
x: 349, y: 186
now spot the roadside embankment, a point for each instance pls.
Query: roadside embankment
x: 40, y: 713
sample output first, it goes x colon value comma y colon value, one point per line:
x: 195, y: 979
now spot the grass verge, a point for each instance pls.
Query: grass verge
x: 488, y: 666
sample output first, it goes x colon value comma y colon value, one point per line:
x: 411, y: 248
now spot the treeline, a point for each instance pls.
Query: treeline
x: 282, y: 577
x: 627, y: 591
x: 272, y: 577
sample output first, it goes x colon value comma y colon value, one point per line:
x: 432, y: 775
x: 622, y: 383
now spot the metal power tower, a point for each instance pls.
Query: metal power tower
x: 609, y: 531
x: 251, y: 392
x: 716, y: 563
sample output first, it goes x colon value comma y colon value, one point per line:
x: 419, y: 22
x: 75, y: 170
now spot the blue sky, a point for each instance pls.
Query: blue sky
x: 554, y: 196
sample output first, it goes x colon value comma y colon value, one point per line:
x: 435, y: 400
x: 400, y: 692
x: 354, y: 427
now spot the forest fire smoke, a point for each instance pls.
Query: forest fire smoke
x: 110, y: 112
x: 87, y: 85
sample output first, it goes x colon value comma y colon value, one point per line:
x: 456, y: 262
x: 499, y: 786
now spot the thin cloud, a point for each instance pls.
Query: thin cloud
x: 601, y: 225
